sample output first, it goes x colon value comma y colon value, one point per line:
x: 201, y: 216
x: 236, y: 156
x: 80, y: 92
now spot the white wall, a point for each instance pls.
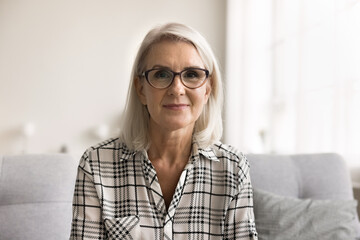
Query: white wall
x: 65, y: 65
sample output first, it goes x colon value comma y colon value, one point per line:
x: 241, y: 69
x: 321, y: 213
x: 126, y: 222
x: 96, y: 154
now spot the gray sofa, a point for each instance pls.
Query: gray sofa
x: 323, y: 178
x: 36, y: 196
x: 36, y: 190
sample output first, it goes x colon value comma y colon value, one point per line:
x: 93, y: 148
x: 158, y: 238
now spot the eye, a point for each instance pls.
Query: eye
x: 190, y: 74
x: 162, y: 74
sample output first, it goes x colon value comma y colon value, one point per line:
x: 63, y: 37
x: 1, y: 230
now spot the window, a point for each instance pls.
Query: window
x: 297, y: 84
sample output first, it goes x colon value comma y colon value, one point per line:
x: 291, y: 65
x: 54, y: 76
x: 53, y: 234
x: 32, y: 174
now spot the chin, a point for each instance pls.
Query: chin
x: 179, y: 126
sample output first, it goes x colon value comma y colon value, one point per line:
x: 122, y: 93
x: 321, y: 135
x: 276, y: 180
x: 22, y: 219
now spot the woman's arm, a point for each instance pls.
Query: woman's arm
x: 87, y: 222
x: 240, y: 221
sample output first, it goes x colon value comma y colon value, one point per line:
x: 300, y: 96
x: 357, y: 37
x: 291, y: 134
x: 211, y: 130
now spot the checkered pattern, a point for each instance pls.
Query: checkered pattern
x: 118, y: 196
x: 124, y: 228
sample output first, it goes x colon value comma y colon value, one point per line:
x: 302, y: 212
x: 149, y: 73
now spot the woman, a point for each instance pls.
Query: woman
x: 167, y: 176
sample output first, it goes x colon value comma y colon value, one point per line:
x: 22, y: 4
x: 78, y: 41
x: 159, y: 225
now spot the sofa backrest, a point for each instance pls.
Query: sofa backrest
x: 36, y: 190
x: 315, y: 176
x: 36, y: 194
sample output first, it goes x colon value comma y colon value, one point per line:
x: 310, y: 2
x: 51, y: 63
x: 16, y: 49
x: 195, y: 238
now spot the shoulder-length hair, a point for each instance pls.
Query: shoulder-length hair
x: 208, y: 127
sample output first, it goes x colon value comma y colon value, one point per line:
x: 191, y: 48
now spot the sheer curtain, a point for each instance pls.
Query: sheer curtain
x: 293, y: 76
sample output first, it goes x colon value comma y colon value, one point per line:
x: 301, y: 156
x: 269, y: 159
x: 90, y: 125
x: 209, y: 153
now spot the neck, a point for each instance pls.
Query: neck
x: 170, y: 147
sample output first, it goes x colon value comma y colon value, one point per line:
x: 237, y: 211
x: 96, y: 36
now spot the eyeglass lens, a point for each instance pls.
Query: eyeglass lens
x: 162, y: 78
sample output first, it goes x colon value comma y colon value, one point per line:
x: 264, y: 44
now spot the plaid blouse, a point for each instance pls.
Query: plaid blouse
x: 118, y: 196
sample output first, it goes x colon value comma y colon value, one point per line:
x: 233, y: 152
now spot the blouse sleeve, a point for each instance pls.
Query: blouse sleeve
x: 86, y: 221
x: 240, y: 220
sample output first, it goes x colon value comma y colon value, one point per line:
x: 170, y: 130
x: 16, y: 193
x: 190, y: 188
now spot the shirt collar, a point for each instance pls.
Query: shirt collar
x: 207, y: 152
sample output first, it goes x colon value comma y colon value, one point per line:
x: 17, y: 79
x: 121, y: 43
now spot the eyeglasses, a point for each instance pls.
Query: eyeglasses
x: 162, y: 77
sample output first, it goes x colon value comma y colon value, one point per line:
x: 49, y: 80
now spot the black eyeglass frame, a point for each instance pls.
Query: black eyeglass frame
x: 146, y: 74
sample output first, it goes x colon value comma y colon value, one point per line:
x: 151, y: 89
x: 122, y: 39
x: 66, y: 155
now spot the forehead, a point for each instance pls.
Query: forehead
x: 173, y: 53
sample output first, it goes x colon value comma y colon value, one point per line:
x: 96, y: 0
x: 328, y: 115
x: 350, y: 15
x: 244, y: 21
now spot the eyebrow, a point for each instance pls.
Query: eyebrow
x: 162, y: 66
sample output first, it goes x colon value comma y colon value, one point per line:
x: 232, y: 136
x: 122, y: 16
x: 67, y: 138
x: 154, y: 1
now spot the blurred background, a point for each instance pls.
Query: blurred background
x: 291, y: 71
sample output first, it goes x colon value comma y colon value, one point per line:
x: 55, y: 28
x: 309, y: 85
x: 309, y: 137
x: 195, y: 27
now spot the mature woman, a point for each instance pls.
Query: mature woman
x: 167, y: 176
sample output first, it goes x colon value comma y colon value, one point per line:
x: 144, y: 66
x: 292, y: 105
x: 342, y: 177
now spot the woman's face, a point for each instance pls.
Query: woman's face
x: 176, y: 107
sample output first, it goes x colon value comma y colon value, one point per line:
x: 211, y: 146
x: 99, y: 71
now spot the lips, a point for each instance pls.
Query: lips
x: 176, y: 106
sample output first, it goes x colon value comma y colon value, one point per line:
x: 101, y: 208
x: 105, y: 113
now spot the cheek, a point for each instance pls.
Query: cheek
x: 152, y: 98
x: 202, y: 97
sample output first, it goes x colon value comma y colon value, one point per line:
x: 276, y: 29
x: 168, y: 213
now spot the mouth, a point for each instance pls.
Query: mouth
x: 176, y: 106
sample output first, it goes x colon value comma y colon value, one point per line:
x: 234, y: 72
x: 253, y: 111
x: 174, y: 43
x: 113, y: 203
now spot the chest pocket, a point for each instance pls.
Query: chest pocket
x: 127, y: 228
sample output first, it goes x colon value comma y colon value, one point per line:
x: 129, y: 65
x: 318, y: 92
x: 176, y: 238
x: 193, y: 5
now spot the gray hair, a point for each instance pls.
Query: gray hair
x: 208, y: 127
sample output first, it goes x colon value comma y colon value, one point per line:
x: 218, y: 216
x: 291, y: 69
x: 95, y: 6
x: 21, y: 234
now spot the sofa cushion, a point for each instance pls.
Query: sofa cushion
x: 279, y: 218
x: 38, y: 221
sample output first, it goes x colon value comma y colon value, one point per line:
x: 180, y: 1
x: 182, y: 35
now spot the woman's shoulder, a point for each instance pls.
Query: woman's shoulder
x: 225, y: 150
x: 110, y: 143
x: 231, y: 159
x: 105, y: 149
x: 230, y: 156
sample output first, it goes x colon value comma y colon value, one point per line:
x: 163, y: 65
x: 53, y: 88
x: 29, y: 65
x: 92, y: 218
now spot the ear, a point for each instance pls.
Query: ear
x: 208, y: 89
x: 139, y: 86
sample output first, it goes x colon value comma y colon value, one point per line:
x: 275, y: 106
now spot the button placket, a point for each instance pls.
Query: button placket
x: 168, y: 227
x: 168, y: 230
x: 154, y: 186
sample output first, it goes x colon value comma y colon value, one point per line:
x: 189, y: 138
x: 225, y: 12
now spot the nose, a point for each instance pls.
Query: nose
x: 176, y: 88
